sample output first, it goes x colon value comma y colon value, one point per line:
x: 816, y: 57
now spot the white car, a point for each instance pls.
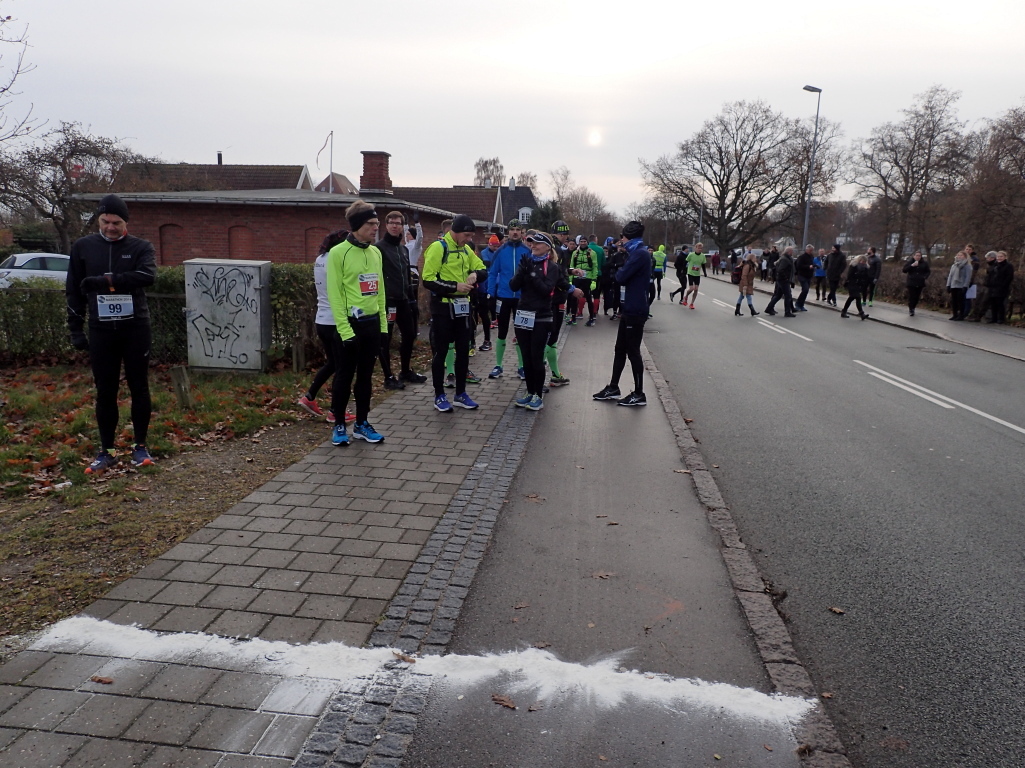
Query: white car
x: 21, y: 266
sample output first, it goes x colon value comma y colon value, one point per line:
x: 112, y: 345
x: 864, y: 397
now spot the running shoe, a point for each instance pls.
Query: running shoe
x: 339, y: 435
x: 485, y: 347
x: 535, y: 404
x: 590, y: 322
x: 310, y: 406
x: 692, y: 305
x: 559, y: 381
x: 349, y: 416
x: 329, y: 417
x: 141, y: 457
x: 472, y: 378
x: 413, y: 377
x: 521, y: 374
x: 522, y: 401
x: 495, y: 372
x: 364, y: 431
x: 442, y: 404
x: 390, y: 382
x: 494, y: 323
x: 463, y: 401
x: 473, y: 350
x: 609, y: 393
x: 450, y: 381
x: 104, y: 460
x: 634, y: 398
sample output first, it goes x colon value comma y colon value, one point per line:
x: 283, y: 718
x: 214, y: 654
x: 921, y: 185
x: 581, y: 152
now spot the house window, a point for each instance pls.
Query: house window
x: 524, y: 215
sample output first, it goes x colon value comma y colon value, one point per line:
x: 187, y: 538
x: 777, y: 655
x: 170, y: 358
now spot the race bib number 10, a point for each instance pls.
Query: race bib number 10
x: 368, y: 284
x: 115, y: 306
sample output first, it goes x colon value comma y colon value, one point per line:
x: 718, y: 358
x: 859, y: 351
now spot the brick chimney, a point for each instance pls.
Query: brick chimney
x: 375, y: 173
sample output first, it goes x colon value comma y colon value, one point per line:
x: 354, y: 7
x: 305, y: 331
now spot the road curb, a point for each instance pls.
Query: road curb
x: 819, y: 744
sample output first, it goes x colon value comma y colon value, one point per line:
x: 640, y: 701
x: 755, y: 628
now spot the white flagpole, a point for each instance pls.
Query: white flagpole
x: 331, y: 163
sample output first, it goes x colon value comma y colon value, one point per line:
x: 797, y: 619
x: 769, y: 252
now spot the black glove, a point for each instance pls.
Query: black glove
x: 416, y: 217
x: 94, y: 284
x: 79, y: 340
x: 350, y: 344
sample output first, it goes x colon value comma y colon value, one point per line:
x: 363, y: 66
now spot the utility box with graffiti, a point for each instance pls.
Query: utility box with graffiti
x: 228, y: 314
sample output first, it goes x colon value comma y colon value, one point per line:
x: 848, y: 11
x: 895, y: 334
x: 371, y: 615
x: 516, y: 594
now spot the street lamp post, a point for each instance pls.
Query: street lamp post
x: 811, y: 168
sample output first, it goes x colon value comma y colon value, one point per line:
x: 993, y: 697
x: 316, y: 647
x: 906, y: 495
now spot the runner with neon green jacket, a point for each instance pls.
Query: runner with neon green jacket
x: 355, y: 291
x: 695, y: 261
x: 660, y: 269
x: 583, y: 266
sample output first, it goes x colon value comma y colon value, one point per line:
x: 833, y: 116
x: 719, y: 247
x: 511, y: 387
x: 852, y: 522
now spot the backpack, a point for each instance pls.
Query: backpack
x: 736, y: 273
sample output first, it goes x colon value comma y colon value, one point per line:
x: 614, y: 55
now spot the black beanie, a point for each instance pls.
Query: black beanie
x: 633, y: 230
x: 113, y: 205
x: 463, y: 223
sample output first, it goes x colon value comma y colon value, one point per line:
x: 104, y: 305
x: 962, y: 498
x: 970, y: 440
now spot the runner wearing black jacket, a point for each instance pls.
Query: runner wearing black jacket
x: 401, y: 302
x: 107, y: 276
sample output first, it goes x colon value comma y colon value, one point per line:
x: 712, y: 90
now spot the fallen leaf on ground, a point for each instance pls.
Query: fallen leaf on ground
x: 590, y: 625
x: 403, y: 657
x: 459, y: 697
x: 601, y: 515
x: 689, y: 420
x: 534, y: 707
x: 579, y: 467
x: 602, y: 574
x: 767, y: 747
x: 682, y: 471
x: 826, y: 695
x: 101, y: 680
x: 602, y: 757
x: 535, y: 498
x: 715, y: 466
x: 515, y: 619
x: 521, y: 605
x: 834, y: 609
x: 611, y: 522
x: 542, y: 644
x: 504, y: 701
x: 717, y: 757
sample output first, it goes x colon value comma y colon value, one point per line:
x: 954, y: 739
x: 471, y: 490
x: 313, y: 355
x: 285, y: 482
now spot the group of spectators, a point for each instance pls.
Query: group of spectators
x: 963, y: 285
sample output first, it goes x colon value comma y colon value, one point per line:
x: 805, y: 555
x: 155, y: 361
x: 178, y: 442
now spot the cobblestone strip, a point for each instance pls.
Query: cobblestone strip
x: 820, y: 747
x: 370, y: 723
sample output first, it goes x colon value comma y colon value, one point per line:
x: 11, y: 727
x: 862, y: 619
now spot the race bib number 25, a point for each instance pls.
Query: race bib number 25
x: 368, y: 284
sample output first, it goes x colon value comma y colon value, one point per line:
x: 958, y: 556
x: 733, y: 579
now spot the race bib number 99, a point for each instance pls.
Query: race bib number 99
x: 115, y: 306
x: 368, y: 284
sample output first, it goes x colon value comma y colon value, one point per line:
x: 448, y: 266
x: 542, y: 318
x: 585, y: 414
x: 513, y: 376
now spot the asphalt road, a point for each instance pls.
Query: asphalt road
x: 854, y: 493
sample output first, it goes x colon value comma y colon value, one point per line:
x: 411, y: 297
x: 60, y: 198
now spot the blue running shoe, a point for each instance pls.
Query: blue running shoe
x: 141, y: 457
x: 104, y: 460
x: 521, y: 374
x: 495, y: 372
x: 535, y: 404
x: 522, y: 402
x: 463, y: 401
x: 364, y: 431
x: 442, y: 404
x: 339, y: 435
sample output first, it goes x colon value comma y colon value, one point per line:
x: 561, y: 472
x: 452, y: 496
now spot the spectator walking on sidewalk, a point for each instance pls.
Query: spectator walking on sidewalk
x: 633, y: 279
x: 354, y: 274
x: 108, y: 273
x: 324, y: 323
x: 784, y: 284
x: 836, y: 263
x: 400, y: 301
x: 747, y: 283
x: 917, y: 270
x: 958, y: 279
x: 857, y: 282
x: 451, y: 269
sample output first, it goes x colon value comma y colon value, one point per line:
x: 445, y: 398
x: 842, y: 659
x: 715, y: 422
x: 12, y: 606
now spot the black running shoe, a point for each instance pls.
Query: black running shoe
x: 609, y: 393
x: 634, y: 398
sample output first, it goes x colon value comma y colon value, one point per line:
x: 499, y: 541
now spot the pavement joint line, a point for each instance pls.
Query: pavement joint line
x: 816, y: 735
x: 421, y: 617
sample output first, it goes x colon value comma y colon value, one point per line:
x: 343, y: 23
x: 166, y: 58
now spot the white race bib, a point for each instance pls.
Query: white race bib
x: 524, y: 319
x: 498, y: 306
x: 622, y: 293
x: 368, y: 284
x: 115, y: 306
x: 460, y: 307
x: 392, y: 311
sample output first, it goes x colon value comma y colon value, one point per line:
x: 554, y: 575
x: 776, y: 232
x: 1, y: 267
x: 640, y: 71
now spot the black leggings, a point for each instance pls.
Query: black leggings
x: 446, y: 330
x: 821, y: 287
x: 109, y: 348
x: 553, y: 333
x: 854, y: 296
x: 532, y: 344
x: 957, y: 302
x: 506, y: 311
x: 583, y: 285
x: 356, y: 358
x: 405, y: 319
x: 914, y: 294
x: 658, y: 283
x: 628, y: 344
x: 482, y: 308
x: 327, y: 335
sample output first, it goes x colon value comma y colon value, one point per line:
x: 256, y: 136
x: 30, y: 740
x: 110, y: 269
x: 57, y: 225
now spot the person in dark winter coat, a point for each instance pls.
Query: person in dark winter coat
x: 857, y: 283
x: 875, y: 271
x: 784, y: 285
x: 804, y: 268
x: 836, y: 263
x: 999, y: 277
x: 917, y: 270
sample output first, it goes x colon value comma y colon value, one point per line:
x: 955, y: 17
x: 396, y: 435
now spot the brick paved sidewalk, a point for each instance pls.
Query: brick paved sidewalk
x: 313, y: 556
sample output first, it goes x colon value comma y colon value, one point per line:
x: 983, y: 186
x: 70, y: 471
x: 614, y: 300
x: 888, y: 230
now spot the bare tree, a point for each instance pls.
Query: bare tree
x: 43, y: 179
x: 488, y: 169
x: 831, y: 165
x: 527, y: 179
x: 14, y: 43
x: 737, y: 167
x: 562, y: 182
x: 583, y: 208
x: 909, y: 162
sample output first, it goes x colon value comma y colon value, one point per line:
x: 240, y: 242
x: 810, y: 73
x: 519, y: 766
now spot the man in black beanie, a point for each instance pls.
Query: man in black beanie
x: 107, y: 276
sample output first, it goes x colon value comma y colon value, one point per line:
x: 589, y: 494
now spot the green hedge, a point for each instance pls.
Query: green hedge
x: 33, y: 318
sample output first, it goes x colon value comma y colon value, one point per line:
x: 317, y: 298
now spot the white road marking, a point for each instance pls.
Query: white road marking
x: 922, y: 395
x: 785, y: 330
x: 771, y: 327
x: 968, y: 408
x: 722, y: 304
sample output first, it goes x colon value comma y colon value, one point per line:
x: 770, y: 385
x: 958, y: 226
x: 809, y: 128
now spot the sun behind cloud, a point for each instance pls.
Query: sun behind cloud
x: 594, y: 137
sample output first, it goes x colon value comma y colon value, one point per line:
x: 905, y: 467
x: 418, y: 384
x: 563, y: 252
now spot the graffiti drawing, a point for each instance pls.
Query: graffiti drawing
x: 226, y: 314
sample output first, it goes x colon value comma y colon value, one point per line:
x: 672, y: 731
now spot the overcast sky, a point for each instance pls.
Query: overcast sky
x: 591, y: 85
